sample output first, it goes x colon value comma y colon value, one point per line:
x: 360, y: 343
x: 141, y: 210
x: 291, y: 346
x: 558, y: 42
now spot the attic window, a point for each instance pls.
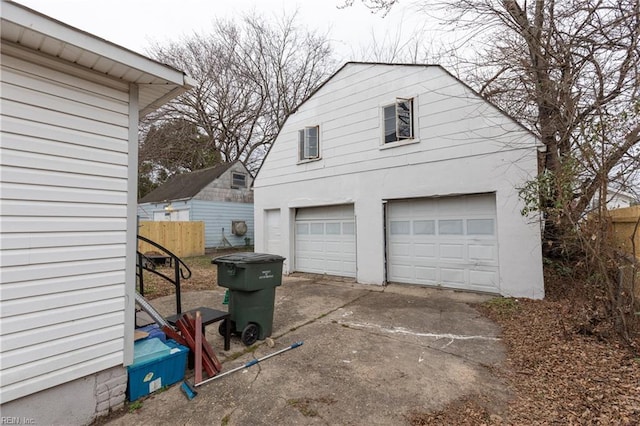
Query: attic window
x: 398, y: 121
x: 308, y: 145
x: 238, y: 180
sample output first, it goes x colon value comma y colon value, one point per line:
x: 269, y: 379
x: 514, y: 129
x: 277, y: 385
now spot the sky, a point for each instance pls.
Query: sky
x: 135, y: 24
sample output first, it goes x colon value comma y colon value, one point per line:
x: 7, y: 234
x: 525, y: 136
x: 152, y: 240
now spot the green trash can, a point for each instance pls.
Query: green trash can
x: 252, y: 279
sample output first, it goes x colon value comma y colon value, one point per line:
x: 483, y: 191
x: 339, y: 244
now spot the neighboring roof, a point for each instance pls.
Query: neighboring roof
x: 186, y: 185
x: 158, y: 83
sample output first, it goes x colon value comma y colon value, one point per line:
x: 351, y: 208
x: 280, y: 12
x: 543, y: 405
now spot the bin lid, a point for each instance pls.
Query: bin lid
x: 248, y: 257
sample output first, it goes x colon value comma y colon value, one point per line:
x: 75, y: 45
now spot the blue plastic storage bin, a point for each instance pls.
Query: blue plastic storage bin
x: 152, y: 374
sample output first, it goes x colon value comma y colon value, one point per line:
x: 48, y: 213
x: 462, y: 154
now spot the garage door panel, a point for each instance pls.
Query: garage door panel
x: 303, y: 262
x: 333, y: 228
x: 315, y: 264
x: 400, y: 249
x: 333, y: 265
x: 483, y: 252
x: 348, y: 228
x: 325, y: 240
x: 400, y: 227
x: 350, y: 249
x: 403, y: 271
x: 424, y: 273
x: 452, y: 204
x: 448, y: 241
x: 302, y: 229
x: 483, y: 279
x: 423, y: 209
x: 315, y: 246
x: 481, y: 204
x: 453, y: 276
x: 481, y: 226
x: 425, y: 250
x: 424, y: 227
x: 333, y: 247
x: 449, y: 252
x: 323, y: 213
x: 316, y: 229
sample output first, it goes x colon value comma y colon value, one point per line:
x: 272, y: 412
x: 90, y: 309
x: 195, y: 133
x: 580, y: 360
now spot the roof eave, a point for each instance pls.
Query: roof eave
x: 164, y: 82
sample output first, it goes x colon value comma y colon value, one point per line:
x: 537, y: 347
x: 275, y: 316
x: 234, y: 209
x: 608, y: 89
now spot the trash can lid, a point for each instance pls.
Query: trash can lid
x: 248, y: 257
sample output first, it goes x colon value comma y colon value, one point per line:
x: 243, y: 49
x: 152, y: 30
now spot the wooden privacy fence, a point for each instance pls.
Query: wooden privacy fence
x: 624, y: 223
x: 184, y: 239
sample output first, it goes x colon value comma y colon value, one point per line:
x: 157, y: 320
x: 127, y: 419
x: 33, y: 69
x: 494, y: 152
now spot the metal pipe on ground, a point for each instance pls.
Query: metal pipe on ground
x: 250, y: 363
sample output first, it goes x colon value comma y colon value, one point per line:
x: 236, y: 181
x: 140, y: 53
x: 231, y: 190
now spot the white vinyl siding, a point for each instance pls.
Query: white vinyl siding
x: 64, y: 171
x: 449, y: 120
x: 445, y: 241
x: 325, y: 240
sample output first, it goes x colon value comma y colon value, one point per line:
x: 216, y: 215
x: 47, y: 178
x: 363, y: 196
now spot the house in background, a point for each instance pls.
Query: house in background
x: 616, y: 199
x: 402, y: 173
x: 70, y: 106
x: 220, y: 196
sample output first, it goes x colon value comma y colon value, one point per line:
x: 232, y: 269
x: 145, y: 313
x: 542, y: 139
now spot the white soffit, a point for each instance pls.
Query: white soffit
x: 158, y: 83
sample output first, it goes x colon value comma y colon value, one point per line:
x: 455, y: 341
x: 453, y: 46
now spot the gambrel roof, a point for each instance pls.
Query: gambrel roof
x: 349, y: 64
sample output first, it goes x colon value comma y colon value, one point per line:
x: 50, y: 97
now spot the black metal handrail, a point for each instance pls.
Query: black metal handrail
x: 180, y: 269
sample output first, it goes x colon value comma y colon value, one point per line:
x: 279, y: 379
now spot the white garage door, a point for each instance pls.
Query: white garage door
x: 325, y: 240
x: 449, y: 241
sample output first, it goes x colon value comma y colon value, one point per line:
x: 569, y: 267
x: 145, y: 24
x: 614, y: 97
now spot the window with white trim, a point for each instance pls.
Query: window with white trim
x: 398, y: 120
x: 308, y: 143
x: 238, y: 180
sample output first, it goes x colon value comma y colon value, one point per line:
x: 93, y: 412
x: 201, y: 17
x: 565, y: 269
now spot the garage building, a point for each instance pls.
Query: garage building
x: 402, y: 173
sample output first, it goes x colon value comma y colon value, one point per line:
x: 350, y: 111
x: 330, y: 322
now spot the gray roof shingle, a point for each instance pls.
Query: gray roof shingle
x: 186, y: 185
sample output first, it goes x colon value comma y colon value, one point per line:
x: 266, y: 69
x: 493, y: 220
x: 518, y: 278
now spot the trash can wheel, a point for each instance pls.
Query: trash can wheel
x: 250, y: 334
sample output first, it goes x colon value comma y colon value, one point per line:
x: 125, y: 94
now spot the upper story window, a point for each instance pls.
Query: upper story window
x: 308, y: 143
x: 398, y: 121
x: 238, y: 180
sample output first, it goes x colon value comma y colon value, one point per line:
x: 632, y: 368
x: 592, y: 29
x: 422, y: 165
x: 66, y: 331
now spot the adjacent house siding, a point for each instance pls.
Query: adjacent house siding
x: 63, y: 225
x: 215, y: 214
x: 180, y: 211
x: 145, y: 211
x: 218, y: 215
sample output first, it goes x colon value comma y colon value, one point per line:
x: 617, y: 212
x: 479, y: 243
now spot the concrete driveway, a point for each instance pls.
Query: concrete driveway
x: 370, y: 356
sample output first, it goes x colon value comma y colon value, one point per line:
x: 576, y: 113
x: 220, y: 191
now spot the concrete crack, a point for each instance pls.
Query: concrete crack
x: 402, y: 330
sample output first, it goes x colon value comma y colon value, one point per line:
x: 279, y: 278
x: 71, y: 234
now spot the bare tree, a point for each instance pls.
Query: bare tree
x: 250, y: 76
x: 172, y: 147
x: 570, y: 71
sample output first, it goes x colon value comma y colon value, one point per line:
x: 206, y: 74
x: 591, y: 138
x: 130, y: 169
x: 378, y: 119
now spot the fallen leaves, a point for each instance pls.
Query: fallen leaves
x: 564, y: 366
x: 575, y: 378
